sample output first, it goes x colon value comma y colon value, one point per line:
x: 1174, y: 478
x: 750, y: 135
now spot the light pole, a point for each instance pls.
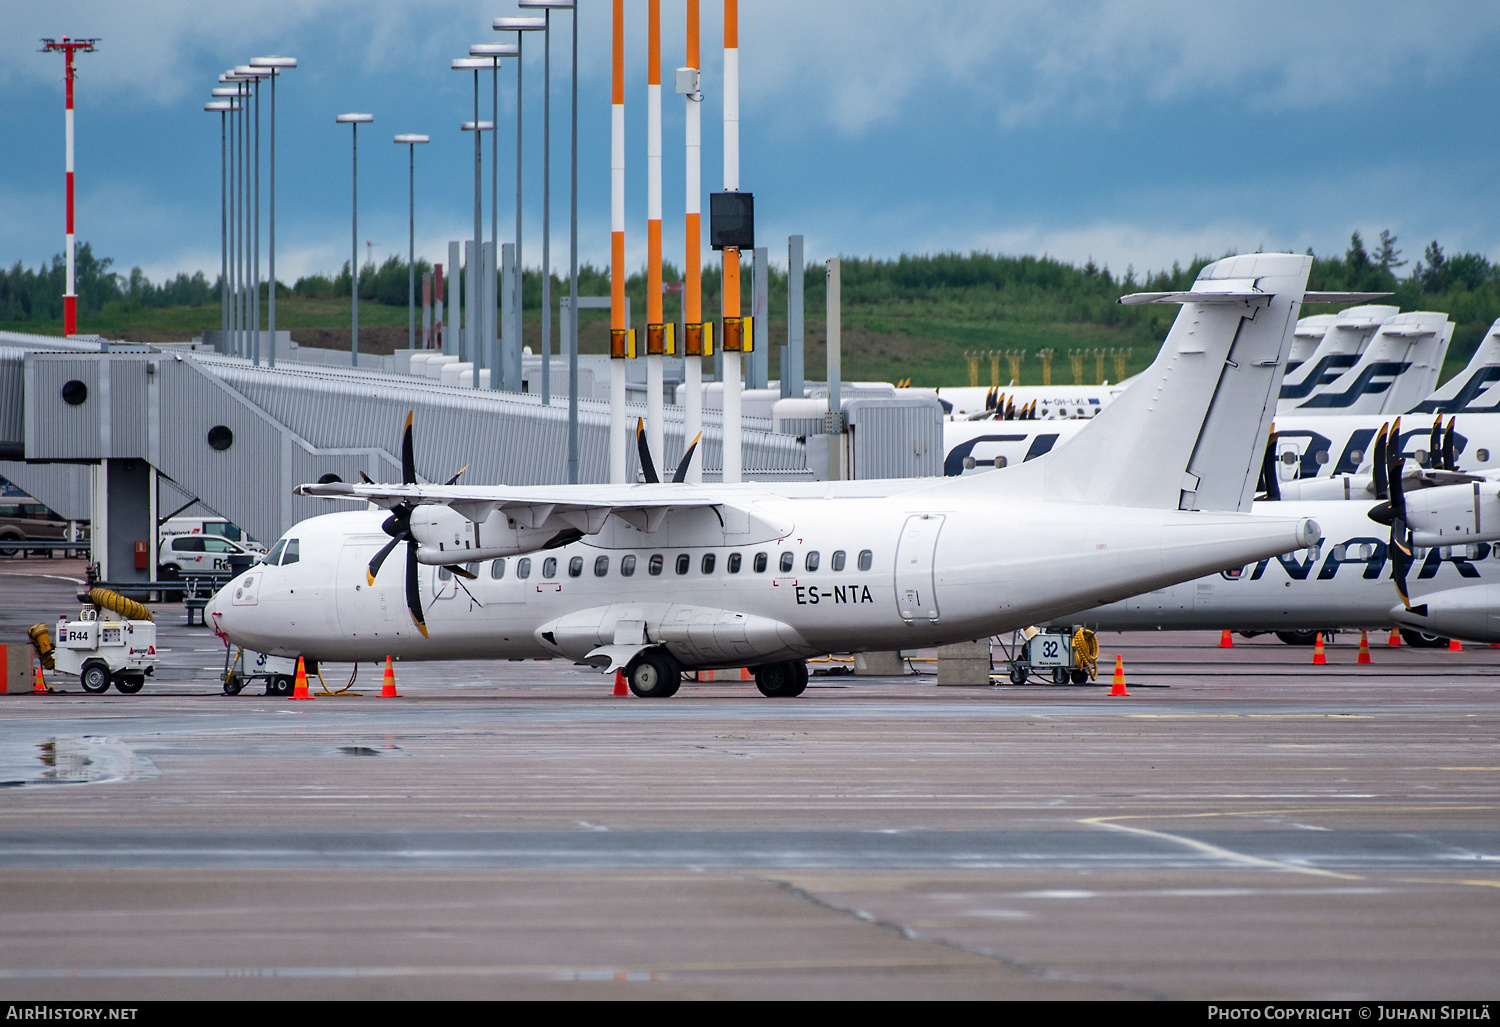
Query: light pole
x: 476, y: 258
x: 493, y: 52
x: 222, y: 108
x: 520, y: 26
x: 547, y: 6
x: 69, y: 47
x: 354, y: 121
x: 252, y: 80
x: 411, y: 142
x: 236, y: 209
x: 277, y: 65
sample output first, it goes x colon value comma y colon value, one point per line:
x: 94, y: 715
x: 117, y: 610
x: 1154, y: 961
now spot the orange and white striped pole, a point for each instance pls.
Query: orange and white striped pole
x: 656, y: 332
x: 618, y: 350
x: 692, y: 262
x: 731, y: 285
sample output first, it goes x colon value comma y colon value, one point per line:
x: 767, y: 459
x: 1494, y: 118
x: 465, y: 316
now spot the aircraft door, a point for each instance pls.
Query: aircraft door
x: 364, y: 609
x: 916, y: 596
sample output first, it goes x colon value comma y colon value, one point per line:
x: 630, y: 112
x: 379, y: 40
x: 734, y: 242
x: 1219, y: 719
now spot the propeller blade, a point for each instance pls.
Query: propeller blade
x: 989, y: 400
x: 1450, y: 451
x: 463, y: 572
x: 375, y: 564
x: 408, y: 455
x: 1270, y: 484
x: 453, y: 480
x: 648, y: 468
x: 1400, y: 544
x: 686, y: 461
x: 366, y: 478
x: 1378, y: 465
x: 414, y: 590
x: 1435, y: 443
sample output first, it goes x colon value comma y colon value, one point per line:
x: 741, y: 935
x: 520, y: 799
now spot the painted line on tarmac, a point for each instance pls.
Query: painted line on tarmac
x: 1217, y: 851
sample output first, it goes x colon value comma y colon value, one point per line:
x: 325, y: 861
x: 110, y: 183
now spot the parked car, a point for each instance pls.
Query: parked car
x: 23, y: 519
x: 186, y: 553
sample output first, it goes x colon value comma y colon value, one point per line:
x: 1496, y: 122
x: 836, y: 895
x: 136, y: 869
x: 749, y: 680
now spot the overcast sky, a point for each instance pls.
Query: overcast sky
x: 1136, y: 134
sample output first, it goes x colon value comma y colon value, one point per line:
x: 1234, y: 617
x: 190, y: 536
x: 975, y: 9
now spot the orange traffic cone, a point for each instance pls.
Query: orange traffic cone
x: 1455, y: 646
x: 1319, y: 659
x: 620, y: 688
x: 1395, y: 638
x: 1118, y: 688
x: 1364, y: 649
x: 745, y: 674
x: 40, y: 686
x: 1226, y: 641
x: 388, y: 690
x: 299, y: 689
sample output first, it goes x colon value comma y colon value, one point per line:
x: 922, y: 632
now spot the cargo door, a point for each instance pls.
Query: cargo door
x: 916, y: 596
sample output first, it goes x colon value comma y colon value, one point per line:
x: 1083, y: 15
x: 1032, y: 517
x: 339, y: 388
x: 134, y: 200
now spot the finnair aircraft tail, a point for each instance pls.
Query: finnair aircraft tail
x: 1307, y: 338
x: 1398, y: 368
x: 1187, y: 434
x: 1343, y: 340
x: 1474, y: 389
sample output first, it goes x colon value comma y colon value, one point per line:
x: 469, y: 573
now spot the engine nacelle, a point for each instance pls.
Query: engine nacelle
x: 446, y: 537
x: 1454, y: 514
x: 1471, y: 613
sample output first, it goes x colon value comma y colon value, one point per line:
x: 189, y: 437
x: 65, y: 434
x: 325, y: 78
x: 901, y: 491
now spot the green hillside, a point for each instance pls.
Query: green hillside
x: 937, y: 319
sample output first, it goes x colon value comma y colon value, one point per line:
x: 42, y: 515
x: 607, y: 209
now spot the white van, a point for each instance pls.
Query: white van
x: 216, y: 526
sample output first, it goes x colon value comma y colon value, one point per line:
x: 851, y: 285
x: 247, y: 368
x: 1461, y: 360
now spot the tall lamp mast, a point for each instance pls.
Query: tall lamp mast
x: 68, y: 47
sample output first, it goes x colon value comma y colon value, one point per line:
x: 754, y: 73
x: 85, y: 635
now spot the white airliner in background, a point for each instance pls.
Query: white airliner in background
x: 658, y: 578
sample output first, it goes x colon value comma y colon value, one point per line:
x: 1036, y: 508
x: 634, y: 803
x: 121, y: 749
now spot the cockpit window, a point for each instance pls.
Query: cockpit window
x: 274, y: 556
x: 291, y: 554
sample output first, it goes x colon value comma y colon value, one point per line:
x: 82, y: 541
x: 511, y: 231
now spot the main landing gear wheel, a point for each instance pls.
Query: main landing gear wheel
x: 95, y: 678
x: 654, y: 675
x: 782, y: 680
x: 279, y: 684
x: 129, y: 684
x: 1423, y: 639
x: 1299, y: 637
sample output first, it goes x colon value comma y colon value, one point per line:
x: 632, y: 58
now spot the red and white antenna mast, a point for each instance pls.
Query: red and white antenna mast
x: 68, y: 47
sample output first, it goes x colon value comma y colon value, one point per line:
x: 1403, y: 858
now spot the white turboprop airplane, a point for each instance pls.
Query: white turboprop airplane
x: 658, y: 578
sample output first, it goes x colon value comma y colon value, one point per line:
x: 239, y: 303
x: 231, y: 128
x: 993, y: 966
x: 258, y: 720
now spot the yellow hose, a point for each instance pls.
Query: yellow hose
x: 41, y: 641
x: 127, y: 608
x: 1086, y: 652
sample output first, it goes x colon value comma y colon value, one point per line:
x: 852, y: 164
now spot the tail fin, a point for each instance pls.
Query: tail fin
x: 1189, y: 433
x: 1472, y: 390
x: 1398, y: 368
x: 1339, y: 348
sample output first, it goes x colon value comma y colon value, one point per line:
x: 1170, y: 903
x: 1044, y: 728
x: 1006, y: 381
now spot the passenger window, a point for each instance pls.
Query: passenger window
x: 683, y: 563
x: 866, y: 559
x: 497, y: 569
x: 838, y: 560
x: 472, y: 568
x: 708, y: 563
x: 734, y: 563
x: 654, y: 567
x: 627, y: 566
x: 292, y: 552
x: 274, y: 556
x: 575, y: 567
x: 549, y: 568
x: 445, y: 574
x: 523, y: 568
x: 760, y: 563
x: 811, y: 563
x: 788, y: 558
x: 601, y: 566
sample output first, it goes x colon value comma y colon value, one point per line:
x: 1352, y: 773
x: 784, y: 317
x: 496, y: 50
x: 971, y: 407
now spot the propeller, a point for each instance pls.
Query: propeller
x: 686, y: 461
x: 989, y: 400
x: 643, y: 448
x: 398, y: 527
x: 1010, y: 410
x: 1377, y: 464
x: 1435, y: 444
x: 1450, y: 452
x: 1393, y: 513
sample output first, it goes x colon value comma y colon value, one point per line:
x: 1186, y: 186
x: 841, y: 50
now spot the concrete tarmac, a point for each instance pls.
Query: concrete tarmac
x: 1256, y: 828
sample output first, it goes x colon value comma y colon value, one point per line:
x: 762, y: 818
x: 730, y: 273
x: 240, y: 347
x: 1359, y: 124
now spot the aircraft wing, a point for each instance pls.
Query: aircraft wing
x: 532, y: 506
